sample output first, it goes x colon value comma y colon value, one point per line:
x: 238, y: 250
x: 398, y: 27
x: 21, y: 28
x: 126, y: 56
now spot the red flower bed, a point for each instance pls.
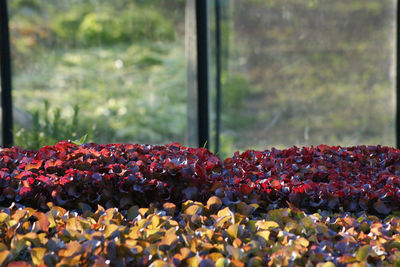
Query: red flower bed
x: 113, y: 175
x: 119, y: 175
x: 322, y: 177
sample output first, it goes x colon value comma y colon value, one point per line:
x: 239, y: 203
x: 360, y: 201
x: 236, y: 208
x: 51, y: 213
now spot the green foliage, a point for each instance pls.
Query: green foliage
x: 65, y: 27
x: 49, y: 127
x: 99, y: 28
x: 300, y: 72
x: 119, y: 61
x: 111, y: 26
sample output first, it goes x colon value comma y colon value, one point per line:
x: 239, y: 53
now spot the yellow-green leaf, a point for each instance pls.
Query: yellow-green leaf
x: 193, y: 261
x: 222, y: 262
x: 110, y: 228
x: 193, y: 209
x: 264, y: 234
x: 302, y: 241
x: 233, y: 230
x: 169, y: 237
x: 3, y: 216
x: 37, y: 255
x: 3, y: 247
x: 236, y: 253
x: 222, y: 220
x: 158, y: 263
x: 224, y: 212
x: 19, y: 214
x: 267, y: 225
x: 73, y: 224
x: 215, y: 256
x: 362, y: 252
x: 326, y: 264
x: 142, y: 211
x: 155, y: 221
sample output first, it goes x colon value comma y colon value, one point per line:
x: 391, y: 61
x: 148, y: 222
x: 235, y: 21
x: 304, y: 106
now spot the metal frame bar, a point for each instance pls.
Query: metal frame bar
x: 5, y: 65
x: 202, y: 72
x: 397, y: 75
x: 217, y: 74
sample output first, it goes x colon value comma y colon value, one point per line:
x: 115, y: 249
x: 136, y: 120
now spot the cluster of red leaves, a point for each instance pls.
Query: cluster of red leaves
x: 120, y: 175
x: 112, y: 175
x: 322, y: 177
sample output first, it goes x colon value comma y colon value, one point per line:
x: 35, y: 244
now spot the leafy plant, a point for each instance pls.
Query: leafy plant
x: 195, y: 234
x: 49, y: 127
x: 329, y: 178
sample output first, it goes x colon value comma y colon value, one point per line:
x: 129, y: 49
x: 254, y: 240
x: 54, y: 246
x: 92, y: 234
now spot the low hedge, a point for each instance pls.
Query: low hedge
x: 198, y: 234
x: 121, y: 175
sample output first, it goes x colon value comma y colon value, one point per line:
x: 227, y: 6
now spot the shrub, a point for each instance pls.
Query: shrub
x: 119, y: 175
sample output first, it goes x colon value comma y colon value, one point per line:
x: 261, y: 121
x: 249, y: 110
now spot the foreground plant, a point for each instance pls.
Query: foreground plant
x: 210, y: 234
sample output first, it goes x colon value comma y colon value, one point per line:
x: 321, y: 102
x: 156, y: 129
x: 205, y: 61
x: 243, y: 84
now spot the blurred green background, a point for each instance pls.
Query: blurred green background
x: 294, y: 72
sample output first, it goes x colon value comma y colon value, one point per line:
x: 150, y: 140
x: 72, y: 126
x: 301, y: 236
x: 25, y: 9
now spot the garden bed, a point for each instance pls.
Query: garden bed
x: 124, y: 204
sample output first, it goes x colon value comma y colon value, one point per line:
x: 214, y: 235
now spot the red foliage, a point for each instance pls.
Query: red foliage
x: 115, y: 175
x: 119, y: 175
x: 322, y: 177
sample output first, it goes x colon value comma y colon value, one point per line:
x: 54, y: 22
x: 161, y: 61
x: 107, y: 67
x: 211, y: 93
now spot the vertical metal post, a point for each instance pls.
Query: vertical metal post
x: 202, y: 71
x: 5, y: 65
x: 217, y: 74
x: 398, y: 75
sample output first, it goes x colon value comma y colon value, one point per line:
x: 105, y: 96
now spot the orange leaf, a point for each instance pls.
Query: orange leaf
x: 18, y: 264
x: 42, y: 224
x: 33, y: 165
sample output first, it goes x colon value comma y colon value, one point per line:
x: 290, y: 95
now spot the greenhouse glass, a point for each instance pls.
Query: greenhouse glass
x: 308, y: 72
x: 113, y: 70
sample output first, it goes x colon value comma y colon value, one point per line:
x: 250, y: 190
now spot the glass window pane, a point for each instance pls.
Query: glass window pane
x: 114, y: 70
x: 308, y: 72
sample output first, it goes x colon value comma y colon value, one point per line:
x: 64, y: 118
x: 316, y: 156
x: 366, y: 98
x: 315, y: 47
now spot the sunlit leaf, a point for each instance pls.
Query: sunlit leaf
x: 5, y: 255
x: 170, y: 208
x: 154, y: 222
x: 267, y: 225
x: 302, y: 241
x: 72, y: 249
x: 326, y: 264
x: 37, y: 255
x: 3, y: 216
x: 264, y: 234
x: 222, y: 262
x: 110, y: 229
x: 214, y: 203
x: 193, y: 261
x: 186, y: 253
x: 42, y: 223
x: 215, y: 256
x: 158, y: 263
x: 193, y: 209
x: 233, y: 230
x: 362, y: 252
x: 169, y: 237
